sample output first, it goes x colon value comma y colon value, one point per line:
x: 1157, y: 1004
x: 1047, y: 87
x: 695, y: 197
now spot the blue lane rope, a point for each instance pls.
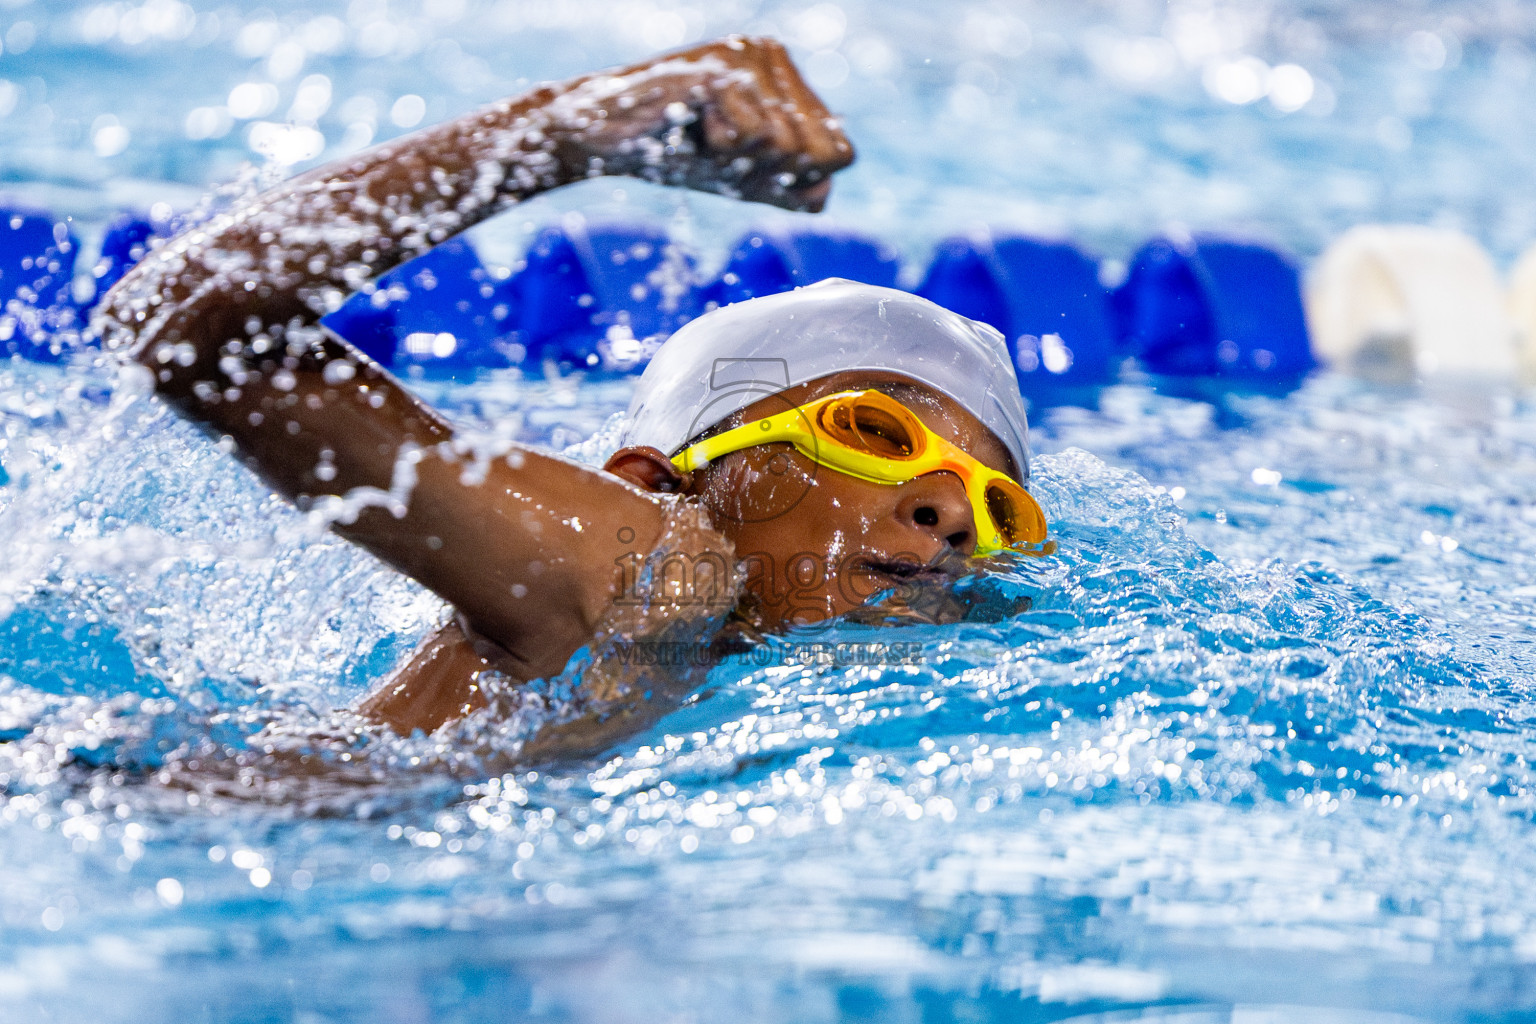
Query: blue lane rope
x: 600, y: 296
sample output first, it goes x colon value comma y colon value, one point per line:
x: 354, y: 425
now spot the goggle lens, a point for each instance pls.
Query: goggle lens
x: 1014, y: 512
x: 869, y: 426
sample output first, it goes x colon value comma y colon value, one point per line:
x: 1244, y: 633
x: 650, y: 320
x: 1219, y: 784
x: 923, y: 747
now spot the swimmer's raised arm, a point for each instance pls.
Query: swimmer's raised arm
x: 225, y: 316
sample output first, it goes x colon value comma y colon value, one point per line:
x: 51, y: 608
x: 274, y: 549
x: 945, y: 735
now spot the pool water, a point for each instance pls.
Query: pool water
x: 1258, y: 749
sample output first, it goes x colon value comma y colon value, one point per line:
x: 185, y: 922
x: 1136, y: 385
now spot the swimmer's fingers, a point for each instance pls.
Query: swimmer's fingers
x: 762, y: 173
x: 770, y: 136
x: 732, y: 116
x: 818, y: 135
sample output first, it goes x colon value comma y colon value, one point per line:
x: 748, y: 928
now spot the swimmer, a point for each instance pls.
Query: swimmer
x: 785, y: 459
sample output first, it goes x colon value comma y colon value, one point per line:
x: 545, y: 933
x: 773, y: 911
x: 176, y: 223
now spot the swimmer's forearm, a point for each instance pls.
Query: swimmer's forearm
x: 246, y: 280
x: 731, y: 116
x: 225, y: 319
x: 528, y: 547
x: 225, y: 314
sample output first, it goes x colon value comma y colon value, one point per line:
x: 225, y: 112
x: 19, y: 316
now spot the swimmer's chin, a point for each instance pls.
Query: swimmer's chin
x: 895, y: 590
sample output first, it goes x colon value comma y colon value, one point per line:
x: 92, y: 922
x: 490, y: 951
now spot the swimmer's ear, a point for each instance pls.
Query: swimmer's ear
x: 648, y: 469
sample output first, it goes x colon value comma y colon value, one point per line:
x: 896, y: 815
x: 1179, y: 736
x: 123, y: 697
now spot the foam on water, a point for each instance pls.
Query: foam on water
x: 1217, y: 758
x: 1255, y: 746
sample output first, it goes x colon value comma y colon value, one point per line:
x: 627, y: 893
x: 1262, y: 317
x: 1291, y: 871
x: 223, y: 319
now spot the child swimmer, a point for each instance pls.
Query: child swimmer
x: 785, y: 458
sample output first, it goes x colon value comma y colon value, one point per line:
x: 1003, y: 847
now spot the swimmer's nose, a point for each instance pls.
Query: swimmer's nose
x: 935, y: 505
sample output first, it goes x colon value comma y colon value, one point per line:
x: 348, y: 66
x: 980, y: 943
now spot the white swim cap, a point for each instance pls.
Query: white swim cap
x: 729, y: 358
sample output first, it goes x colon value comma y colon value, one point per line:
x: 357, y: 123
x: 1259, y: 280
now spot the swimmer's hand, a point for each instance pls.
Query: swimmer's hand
x: 732, y: 116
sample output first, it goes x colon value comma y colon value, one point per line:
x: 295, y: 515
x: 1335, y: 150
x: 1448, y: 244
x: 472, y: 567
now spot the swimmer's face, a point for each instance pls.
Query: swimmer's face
x: 817, y: 543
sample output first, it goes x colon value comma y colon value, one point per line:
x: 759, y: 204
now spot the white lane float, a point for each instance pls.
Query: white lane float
x: 1398, y: 303
x: 1522, y: 311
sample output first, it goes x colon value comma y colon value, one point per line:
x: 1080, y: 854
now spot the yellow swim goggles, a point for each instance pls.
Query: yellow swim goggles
x: 873, y: 437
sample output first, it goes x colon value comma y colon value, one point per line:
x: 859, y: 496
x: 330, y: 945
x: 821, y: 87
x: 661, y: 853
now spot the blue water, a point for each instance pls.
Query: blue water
x: 1259, y: 749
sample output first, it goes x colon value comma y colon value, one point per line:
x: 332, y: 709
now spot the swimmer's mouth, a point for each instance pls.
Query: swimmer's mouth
x: 899, y: 571
x: 916, y: 592
x: 946, y: 568
x: 912, y: 591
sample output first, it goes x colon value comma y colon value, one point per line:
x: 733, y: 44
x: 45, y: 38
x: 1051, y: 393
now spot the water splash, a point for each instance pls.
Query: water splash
x: 1272, y: 729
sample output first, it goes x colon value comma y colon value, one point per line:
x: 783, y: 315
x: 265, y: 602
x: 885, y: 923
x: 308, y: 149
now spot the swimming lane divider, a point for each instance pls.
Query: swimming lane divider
x: 1396, y: 302
x: 41, y: 314
x: 442, y: 308
x: 766, y: 262
x: 37, y: 269
x: 1522, y: 311
x: 600, y: 295
x: 127, y: 240
x: 1046, y: 299
x: 1207, y: 306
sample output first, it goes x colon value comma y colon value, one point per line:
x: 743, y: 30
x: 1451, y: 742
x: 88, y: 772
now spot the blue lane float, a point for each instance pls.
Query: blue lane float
x: 1046, y: 299
x: 587, y: 296
x: 601, y: 296
x: 38, y: 314
x: 1215, y: 307
x: 442, y: 309
x: 771, y: 261
x: 127, y: 241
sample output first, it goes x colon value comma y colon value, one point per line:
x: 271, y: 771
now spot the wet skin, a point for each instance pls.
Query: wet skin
x: 813, y: 543
x: 816, y: 543
x: 223, y: 320
x: 526, y: 547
